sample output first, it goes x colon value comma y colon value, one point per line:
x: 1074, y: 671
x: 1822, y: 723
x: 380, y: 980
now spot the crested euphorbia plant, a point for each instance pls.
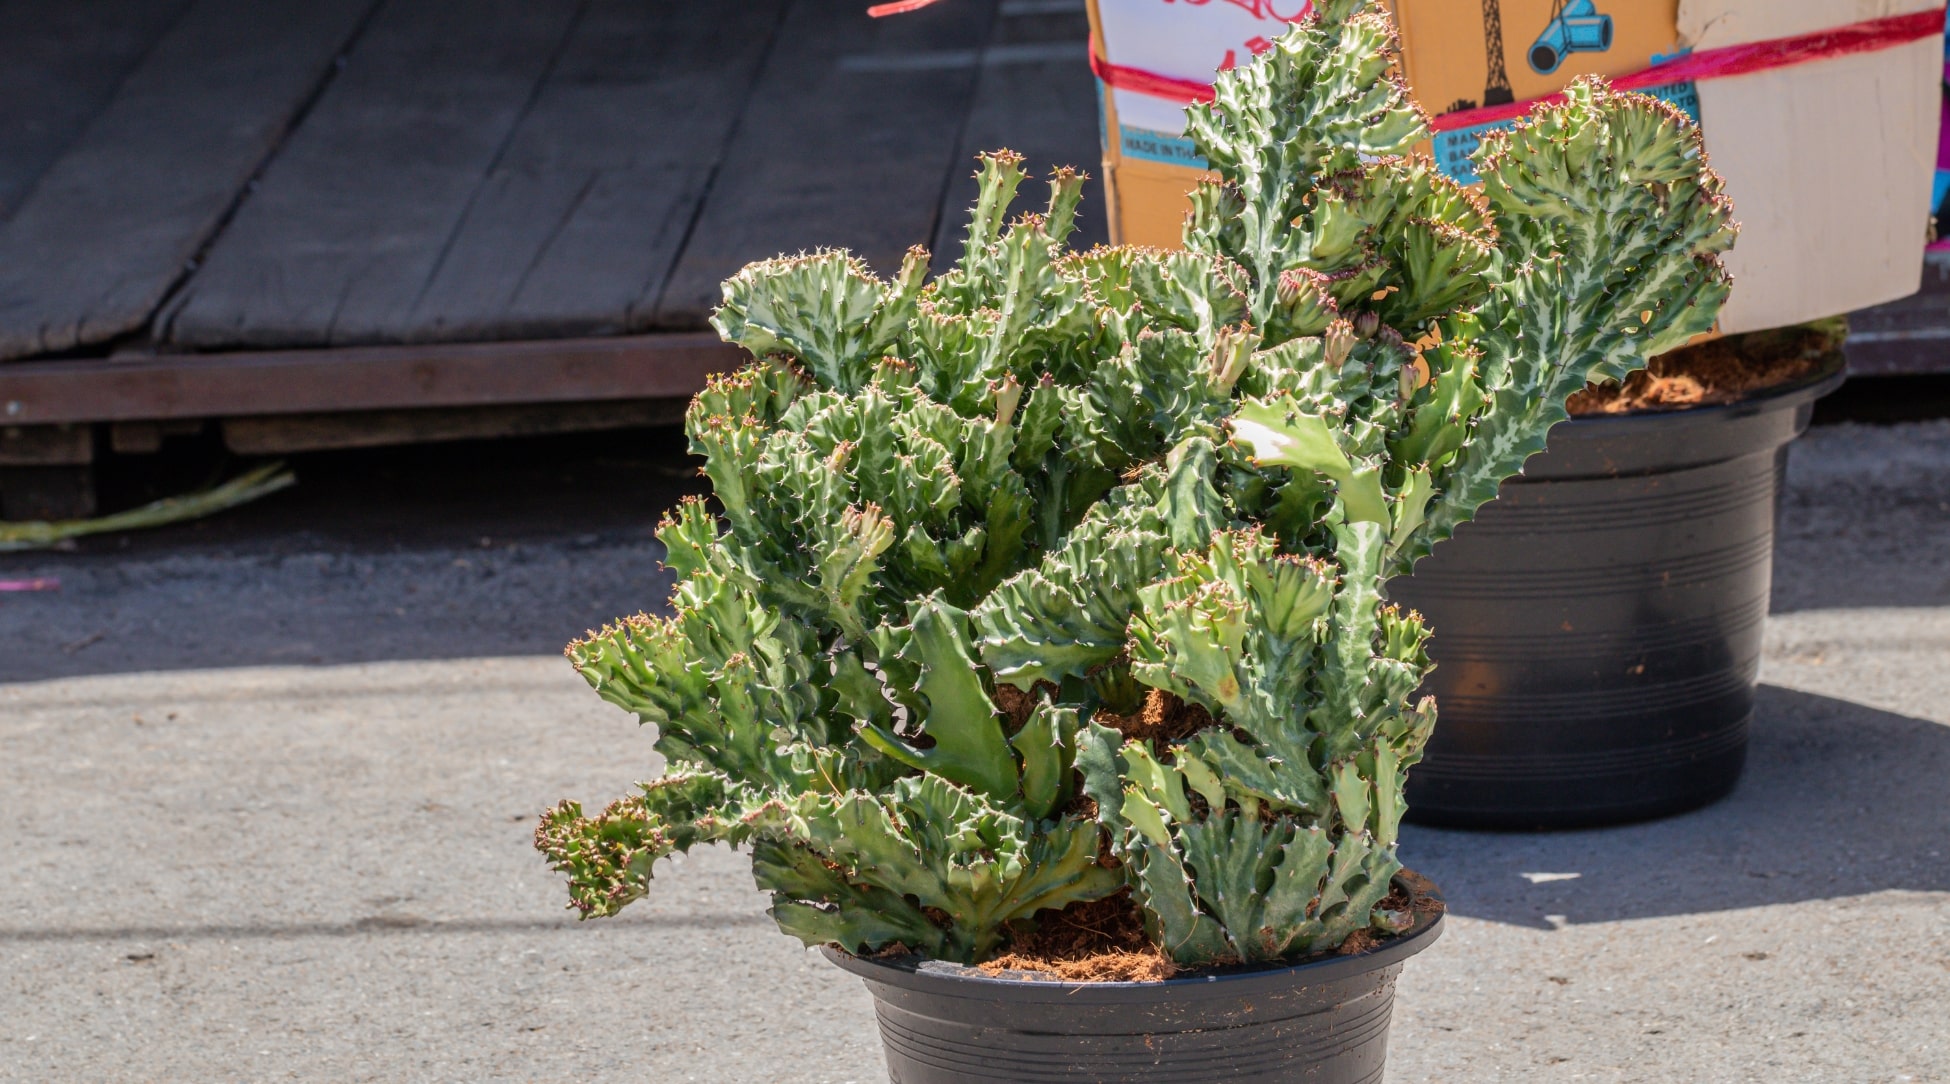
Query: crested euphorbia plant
x: 1064, y: 572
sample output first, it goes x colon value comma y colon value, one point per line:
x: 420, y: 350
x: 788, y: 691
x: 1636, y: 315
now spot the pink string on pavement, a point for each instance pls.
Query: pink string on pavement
x: 899, y: 7
x: 45, y: 583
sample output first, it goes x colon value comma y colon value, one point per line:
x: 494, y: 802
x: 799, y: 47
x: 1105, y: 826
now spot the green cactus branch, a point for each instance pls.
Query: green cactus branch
x: 974, y: 537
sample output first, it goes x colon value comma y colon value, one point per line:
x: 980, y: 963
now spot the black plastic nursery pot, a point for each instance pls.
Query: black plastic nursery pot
x: 1322, y: 1021
x: 1597, y: 628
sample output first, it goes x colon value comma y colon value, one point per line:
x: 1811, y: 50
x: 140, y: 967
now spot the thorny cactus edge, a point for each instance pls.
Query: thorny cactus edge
x: 974, y: 529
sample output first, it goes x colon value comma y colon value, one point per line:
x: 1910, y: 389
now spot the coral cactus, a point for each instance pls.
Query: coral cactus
x: 973, y: 530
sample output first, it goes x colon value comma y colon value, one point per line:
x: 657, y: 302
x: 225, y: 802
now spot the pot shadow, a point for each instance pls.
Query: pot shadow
x: 1837, y: 800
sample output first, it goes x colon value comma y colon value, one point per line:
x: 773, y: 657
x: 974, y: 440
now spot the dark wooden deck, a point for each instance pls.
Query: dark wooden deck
x: 227, y: 177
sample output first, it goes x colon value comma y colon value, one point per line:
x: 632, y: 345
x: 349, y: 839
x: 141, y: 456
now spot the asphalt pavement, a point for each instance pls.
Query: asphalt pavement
x: 267, y: 786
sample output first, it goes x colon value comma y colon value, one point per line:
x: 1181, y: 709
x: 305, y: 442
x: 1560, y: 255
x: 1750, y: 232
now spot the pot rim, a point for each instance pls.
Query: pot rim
x: 948, y: 979
x: 1826, y: 378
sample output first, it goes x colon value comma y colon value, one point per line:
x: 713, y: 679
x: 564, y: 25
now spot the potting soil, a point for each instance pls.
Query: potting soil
x: 1721, y: 370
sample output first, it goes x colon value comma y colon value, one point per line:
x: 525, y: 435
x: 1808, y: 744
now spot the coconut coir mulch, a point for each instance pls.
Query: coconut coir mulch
x: 1099, y: 941
x: 1719, y: 370
x: 1162, y: 719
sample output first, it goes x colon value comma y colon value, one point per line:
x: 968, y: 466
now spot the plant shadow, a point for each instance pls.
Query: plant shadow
x: 1838, y: 800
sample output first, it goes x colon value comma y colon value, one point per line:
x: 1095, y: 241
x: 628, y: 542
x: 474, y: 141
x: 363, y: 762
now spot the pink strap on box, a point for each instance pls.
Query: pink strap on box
x: 1721, y: 63
x: 1731, y: 60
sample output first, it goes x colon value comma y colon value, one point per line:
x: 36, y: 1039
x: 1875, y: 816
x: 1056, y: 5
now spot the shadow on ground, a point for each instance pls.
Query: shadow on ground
x: 508, y: 547
x: 378, y: 925
x: 1838, y: 800
x: 404, y: 498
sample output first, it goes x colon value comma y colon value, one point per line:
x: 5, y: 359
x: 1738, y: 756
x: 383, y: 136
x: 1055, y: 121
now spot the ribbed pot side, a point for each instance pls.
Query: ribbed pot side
x: 1325, y: 1022
x: 1597, y: 627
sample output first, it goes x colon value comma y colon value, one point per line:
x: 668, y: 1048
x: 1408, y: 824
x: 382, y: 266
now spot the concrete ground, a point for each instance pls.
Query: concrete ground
x: 268, y: 783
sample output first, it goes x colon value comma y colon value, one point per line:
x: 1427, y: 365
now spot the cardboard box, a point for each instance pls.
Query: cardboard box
x: 1455, y: 61
x: 1830, y: 164
x: 1149, y: 166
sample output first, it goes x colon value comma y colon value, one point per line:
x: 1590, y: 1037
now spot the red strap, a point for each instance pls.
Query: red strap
x: 1732, y: 60
x: 1144, y: 82
x: 898, y: 7
x: 1719, y: 63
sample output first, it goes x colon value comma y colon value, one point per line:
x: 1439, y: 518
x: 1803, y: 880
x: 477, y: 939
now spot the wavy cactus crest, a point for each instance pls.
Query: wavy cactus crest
x: 1063, y: 573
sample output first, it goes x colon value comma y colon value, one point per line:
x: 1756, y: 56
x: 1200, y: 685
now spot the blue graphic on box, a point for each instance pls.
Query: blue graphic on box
x: 1171, y: 148
x: 1453, y: 148
x: 1154, y: 146
x: 1576, y: 26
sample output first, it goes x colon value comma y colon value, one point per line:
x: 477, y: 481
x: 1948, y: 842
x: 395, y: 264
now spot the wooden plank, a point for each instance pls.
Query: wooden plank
x: 281, y: 434
x: 60, y: 65
x: 556, y: 209
x: 848, y: 142
x: 575, y: 230
x: 46, y: 445
x: 1909, y: 336
x: 352, y: 219
x: 110, y: 226
x: 146, y: 438
x: 1034, y: 95
x: 361, y: 378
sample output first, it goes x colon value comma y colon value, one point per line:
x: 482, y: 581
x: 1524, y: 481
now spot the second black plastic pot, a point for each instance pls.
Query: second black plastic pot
x: 1597, y: 628
x: 1325, y: 1021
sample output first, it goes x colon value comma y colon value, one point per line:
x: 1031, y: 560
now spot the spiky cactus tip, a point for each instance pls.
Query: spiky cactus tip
x: 977, y: 535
